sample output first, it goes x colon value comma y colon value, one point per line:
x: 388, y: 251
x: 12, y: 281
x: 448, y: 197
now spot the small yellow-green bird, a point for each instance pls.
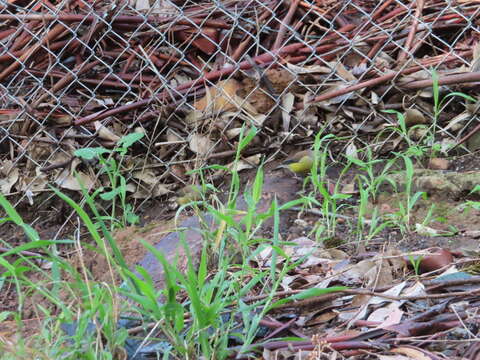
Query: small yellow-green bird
x: 189, y: 194
x: 301, y: 162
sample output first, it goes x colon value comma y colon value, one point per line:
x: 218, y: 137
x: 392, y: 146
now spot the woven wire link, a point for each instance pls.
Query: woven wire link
x: 62, y: 61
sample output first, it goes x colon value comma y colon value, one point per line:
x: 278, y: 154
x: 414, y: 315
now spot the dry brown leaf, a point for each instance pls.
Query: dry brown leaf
x: 172, y: 136
x: 9, y: 175
x: 414, y: 117
x: 67, y: 180
x: 387, y: 315
x: 366, y: 301
x: 200, y: 144
x: 33, y: 184
x: 147, y: 176
x: 287, y: 107
x: 351, y: 150
x: 356, y: 273
x: 247, y: 163
x: 343, y: 72
x: 143, y: 192
x: 311, y: 69
x: 104, y: 133
x: 233, y: 133
x: 150, y: 187
x: 221, y: 97
x: 349, y: 188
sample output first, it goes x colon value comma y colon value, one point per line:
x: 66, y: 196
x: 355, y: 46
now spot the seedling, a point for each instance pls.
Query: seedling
x: 415, y: 261
x: 118, y: 184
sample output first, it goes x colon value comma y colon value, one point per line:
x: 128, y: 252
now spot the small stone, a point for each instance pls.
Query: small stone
x: 438, y: 164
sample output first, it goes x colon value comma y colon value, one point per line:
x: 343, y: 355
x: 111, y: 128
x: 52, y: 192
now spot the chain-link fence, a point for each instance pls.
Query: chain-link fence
x: 191, y: 75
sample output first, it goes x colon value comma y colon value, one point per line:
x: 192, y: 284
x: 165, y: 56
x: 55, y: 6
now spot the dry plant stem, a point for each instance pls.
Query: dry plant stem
x: 121, y: 19
x: 368, y: 23
x: 411, y: 35
x: 329, y: 38
x: 455, y: 79
x: 420, y: 84
x: 241, y: 48
x: 381, y: 8
x: 229, y: 153
x: 51, y: 35
x: 5, y: 33
x: 307, y: 5
x: 322, y: 298
x: 66, y: 80
x: 373, y: 51
x: 469, y: 135
x: 16, y: 54
x: 430, y: 284
x: 338, y: 346
x: 362, y: 85
x: 280, y: 329
x: 284, y: 24
x: 265, y: 58
x: 25, y: 36
x: 101, y: 82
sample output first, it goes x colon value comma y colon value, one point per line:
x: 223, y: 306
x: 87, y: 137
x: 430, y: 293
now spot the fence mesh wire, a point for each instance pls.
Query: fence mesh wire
x: 191, y: 75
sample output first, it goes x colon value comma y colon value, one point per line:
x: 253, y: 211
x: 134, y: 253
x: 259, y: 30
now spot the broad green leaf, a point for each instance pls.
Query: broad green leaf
x: 130, y: 139
x: 90, y: 153
x: 110, y: 195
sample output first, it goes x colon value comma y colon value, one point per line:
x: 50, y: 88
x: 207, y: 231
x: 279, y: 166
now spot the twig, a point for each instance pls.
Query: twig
x: 411, y: 35
x: 284, y: 24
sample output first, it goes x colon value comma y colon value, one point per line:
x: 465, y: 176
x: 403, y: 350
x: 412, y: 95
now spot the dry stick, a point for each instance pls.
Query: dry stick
x: 420, y: 84
x: 338, y: 346
x: 362, y: 85
x: 67, y: 79
x: 127, y: 19
x: 25, y: 36
x: 323, y: 298
x: 373, y: 51
x: 246, y: 152
x: 466, y: 77
x: 99, y: 81
x: 329, y: 38
x: 411, y: 35
x: 5, y: 33
x: 16, y: 54
x: 468, y: 136
x: 380, y: 9
x: 52, y: 34
x: 368, y: 23
x: 284, y: 24
x: 210, y: 76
